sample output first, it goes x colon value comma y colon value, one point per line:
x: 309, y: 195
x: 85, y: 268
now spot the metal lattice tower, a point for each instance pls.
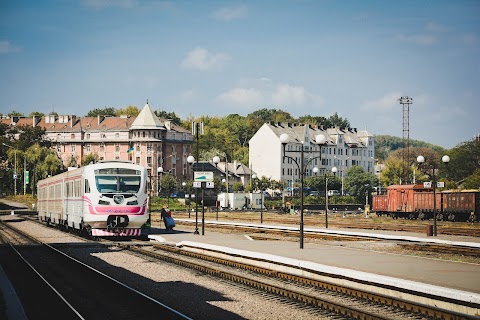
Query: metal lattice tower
x: 406, y: 102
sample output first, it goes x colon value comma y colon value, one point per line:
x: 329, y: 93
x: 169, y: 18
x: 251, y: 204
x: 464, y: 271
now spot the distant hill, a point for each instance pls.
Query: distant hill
x: 384, y: 144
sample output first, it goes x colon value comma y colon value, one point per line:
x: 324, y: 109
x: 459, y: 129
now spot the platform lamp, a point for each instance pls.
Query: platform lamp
x: 191, y: 160
x: 445, y: 160
x: 320, y: 139
x: 334, y: 171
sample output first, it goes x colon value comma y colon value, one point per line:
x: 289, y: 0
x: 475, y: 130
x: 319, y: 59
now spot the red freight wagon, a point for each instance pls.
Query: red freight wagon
x: 379, y: 204
x: 461, y: 205
x: 423, y: 202
x: 400, y: 200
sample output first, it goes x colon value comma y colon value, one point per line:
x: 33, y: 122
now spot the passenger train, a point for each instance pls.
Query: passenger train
x: 102, y: 199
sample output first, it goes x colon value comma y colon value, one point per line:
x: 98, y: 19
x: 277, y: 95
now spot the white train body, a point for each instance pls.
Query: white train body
x: 102, y: 199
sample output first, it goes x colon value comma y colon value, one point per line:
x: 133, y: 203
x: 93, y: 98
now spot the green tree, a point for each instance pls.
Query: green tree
x: 464, y: 160
x: 130, y: 110
x: 36, y: 113
x: 172, y: 116
x: 90, y: 158
x: 472, y: 181
x: 358, y: 182
x: 107, y: 111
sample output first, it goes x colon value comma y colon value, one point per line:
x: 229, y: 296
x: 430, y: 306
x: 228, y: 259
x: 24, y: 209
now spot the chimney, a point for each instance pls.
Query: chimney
x: 35, y: 120
x: 73, y: 120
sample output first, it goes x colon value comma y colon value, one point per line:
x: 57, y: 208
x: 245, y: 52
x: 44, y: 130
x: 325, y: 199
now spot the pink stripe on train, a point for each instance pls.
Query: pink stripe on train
x: 115, y: 233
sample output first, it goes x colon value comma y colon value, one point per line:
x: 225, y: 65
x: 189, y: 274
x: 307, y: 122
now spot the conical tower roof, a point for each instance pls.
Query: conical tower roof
x: 146, y: 119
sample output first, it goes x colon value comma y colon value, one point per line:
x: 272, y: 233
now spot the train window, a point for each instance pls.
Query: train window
x: 111, y: 184
x: 87, y: 186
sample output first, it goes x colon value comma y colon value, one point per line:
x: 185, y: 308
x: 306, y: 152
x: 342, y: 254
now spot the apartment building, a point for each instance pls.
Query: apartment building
x: 157, y: 144
x: 343, y: 148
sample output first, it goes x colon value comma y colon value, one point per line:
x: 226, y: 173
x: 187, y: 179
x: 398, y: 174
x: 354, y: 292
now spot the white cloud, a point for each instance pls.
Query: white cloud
x: 242, y: 97
x: 281, y: 95
x: 421, y: 39
x: 202, y: 59
x: 7, y: 47
x: 286, y: 95
x: 101, y: 4
x: 386, y: 103
x: 230, y: 13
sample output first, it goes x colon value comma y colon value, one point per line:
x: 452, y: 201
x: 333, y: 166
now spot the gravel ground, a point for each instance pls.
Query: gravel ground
x: 198, y: 295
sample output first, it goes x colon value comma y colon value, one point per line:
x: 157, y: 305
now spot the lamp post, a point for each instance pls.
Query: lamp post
x: 15, y: 169
x: 191, y: 160
x: 284, y: 139
x: 216, y: 160
x: 334, y: 171
x: 445, y: 160
x: 260, y: 186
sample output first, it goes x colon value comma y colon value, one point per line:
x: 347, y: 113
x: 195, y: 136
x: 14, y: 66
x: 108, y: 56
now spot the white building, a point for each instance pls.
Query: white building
x: 343, y: 148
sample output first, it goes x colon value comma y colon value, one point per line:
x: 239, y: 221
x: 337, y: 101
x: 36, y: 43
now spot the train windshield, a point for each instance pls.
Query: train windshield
x: 115, y: 180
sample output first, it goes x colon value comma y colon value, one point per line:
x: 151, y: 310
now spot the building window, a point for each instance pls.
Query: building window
x: 149, y: 147
x: 102, y: 148
x: 88, y: 148
x: 149, y: 161
x: 137, y: 160
x: 138, y: 147
x: 72, y: 148
x: 59, y: 136
x: 117, y: 147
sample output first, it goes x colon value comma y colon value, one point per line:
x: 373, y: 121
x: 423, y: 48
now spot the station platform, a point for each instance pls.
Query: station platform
x: 453, y: 275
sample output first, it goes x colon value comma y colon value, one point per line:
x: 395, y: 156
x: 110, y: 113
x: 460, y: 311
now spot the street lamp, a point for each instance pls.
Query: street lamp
x: 319, y: 139
x: 216, y: 160
x: 334, y: 171
x: 15, y: 169
x: 445, y: 160
x: 191, y: 160
x: 260, y: 186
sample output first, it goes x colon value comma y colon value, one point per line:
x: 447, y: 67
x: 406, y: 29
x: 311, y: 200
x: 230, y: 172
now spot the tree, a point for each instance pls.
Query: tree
x: 168, y: 184
x: 130, y: 110
x: 90, y: 158
x: 392, y: 172
x: 472, y: 181
x: 172, y: 116
x: 107, y: 111
x: 464, y: 160
x: 36, y: 113
x: 358, y: 182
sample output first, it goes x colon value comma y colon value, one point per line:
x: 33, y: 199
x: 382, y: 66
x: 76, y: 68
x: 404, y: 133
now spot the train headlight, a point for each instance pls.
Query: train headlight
x: 103, y: 202
x: 132, y: 202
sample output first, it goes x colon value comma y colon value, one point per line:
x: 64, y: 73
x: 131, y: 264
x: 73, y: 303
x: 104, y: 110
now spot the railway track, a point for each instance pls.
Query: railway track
x: 322, y: 296
x: 66, y: 288
x: 340, y: 299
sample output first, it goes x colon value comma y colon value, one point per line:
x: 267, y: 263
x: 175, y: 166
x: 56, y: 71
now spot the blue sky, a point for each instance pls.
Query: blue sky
x: 216, y: 58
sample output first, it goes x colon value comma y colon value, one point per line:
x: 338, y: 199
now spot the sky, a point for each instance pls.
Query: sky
x: 215, y: 58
